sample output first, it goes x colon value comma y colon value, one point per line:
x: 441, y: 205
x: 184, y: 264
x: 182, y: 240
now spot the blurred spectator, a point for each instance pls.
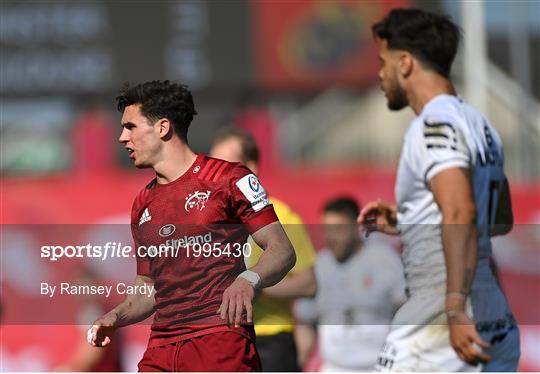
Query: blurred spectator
x: 274, y: 324
x: 360, y: 286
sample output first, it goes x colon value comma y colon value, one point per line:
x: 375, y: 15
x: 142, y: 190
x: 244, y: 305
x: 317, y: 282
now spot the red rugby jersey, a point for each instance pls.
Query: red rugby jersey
x: 198, y: 226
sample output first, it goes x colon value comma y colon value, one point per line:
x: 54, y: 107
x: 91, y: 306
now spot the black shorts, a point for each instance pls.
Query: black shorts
x: 277, y: 352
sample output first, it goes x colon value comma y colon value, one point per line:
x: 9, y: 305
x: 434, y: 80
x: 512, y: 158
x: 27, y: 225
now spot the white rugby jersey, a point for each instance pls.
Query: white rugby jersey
x: 447, y: 133
x: 354, y: 305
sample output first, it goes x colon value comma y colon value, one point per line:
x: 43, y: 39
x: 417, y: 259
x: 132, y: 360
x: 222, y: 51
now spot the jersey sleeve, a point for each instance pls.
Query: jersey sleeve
x: 249, y: 199
x: 442, y: 146
x: 143, y: 263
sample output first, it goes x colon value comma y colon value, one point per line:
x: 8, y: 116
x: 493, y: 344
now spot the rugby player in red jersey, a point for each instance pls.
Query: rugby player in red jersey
x: 201, y: 210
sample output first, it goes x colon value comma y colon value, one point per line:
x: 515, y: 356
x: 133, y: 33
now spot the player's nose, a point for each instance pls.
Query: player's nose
x: 124, y: 136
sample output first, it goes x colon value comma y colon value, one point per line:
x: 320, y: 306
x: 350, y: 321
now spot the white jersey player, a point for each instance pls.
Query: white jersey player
x: 355, y: 299
x: 452, y: 195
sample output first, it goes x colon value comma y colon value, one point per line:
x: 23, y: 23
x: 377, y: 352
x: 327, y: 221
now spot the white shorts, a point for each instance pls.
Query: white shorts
x: 419, y: 339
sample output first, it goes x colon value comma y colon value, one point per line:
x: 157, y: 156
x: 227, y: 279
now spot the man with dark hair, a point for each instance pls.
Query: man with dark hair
x: 357, y: 298
x: 452, y: 195
x: 345, y: 206
x: 201, y: 299
x: 274, y: 323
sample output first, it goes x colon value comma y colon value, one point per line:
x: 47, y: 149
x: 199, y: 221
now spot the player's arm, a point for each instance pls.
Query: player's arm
x: 453, y: 194
x: 305, y: 337
x: 300, y: 284
x: 276, y: 261
x: 301, y: 281
x: 379, y: 216
x: 133, y: 309
x: 84, y: 358
x: 504, y: 217
x: 278, y: 257
x: 306, y: 314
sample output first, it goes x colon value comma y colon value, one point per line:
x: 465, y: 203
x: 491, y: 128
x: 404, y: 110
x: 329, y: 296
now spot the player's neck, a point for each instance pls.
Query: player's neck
x: 175, y: 161
x: 425, y: 88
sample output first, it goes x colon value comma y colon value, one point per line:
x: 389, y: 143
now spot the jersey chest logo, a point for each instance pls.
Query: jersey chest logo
x: 197, y: 200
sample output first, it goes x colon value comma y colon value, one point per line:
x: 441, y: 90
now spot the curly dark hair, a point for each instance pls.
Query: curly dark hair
x: 161, y: 99
x: 430, y: 37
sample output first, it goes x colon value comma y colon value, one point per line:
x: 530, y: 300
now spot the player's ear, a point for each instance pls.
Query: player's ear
x: 405, y: 64
x: 164, y: 127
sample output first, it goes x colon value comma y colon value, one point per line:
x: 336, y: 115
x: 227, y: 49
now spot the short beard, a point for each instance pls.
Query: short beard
x: 397, y: 100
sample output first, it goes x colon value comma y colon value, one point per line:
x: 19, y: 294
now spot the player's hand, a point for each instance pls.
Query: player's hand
x: 100, y: 334
x: 379, y: 216
x: 237, y: 298
x: 465, y: 339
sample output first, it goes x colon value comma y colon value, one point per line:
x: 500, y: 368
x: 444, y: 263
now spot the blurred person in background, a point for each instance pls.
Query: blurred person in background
x: 361, y: 285
x: 202, y: 304
x: 274, y: 323
x: 452, y: 196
